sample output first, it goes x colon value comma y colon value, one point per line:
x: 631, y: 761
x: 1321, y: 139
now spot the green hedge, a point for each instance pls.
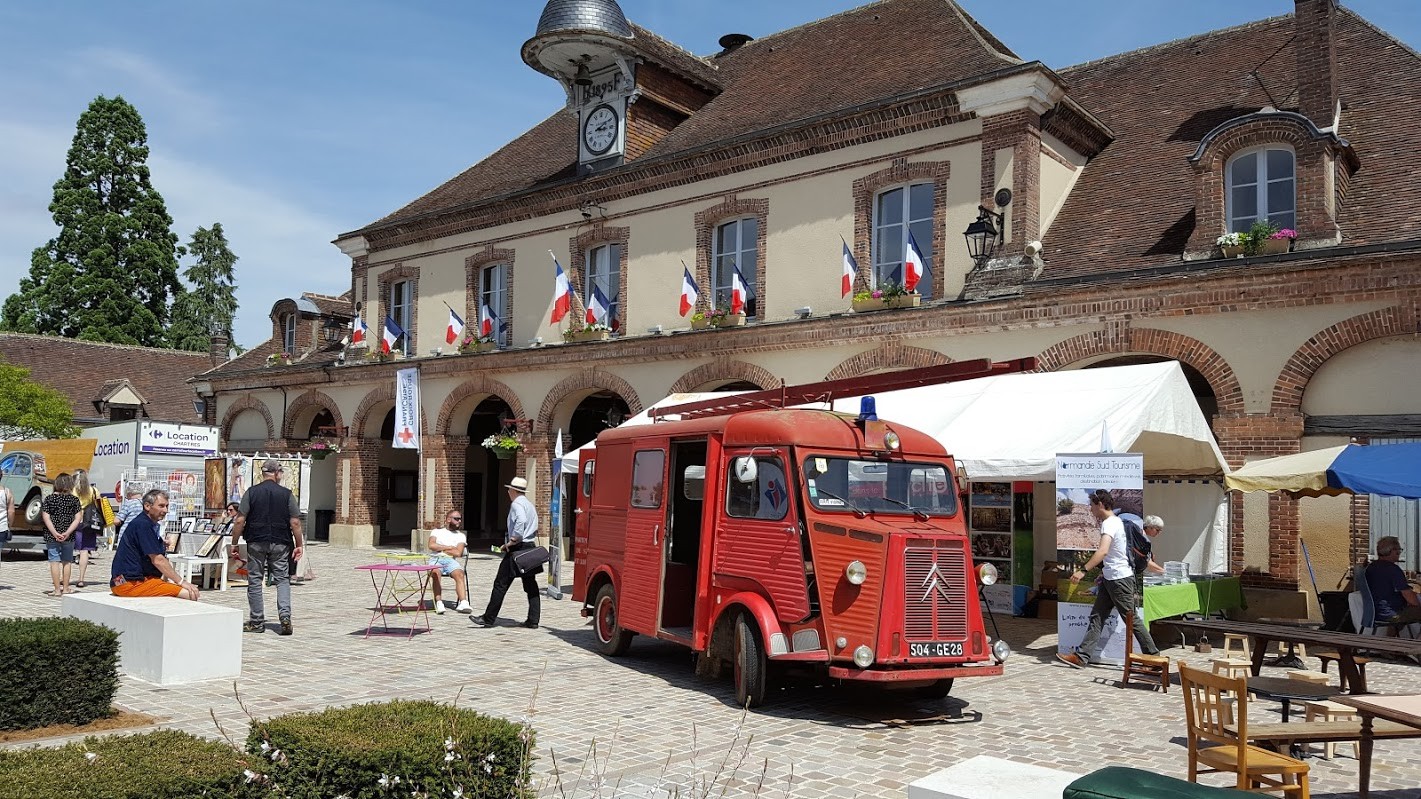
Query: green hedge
x: 430, y: 747
x: 56, y: 671
x: 158, y: 765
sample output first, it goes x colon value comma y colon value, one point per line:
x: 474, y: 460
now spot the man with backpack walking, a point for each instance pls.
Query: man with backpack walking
x: 1116, y: 591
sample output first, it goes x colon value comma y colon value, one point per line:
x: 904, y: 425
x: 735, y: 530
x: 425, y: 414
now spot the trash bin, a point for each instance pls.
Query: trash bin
x: 1334, y: 610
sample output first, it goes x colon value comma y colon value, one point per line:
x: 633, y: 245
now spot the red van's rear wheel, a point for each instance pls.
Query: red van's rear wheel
x: 611, y: 638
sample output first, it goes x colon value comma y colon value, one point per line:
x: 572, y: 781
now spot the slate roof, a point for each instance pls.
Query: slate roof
x: 1134, y: 205
x: 85, y: 370
x: 794, y: 75
x: 327, y: 305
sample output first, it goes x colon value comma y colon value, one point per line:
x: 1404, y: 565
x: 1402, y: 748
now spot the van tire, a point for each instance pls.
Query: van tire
x: 750, y: 667
x: 612, y: 640
x: 936, y: 690
x: 34, y: 506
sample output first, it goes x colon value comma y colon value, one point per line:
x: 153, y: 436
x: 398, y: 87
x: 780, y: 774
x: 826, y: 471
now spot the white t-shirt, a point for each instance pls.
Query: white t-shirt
x: 447, y: 538
x: 8, y: 506
x: 1116, y: 565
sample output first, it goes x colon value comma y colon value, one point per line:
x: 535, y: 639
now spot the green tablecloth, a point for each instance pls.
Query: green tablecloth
x: 1204, y: 597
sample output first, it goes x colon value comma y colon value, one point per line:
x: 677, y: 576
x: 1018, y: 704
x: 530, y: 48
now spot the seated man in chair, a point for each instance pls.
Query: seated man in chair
x: 446, y: 545
x: 1394, y: 600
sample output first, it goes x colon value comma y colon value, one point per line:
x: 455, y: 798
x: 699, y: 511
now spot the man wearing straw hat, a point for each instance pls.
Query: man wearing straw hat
x: 522, y: 534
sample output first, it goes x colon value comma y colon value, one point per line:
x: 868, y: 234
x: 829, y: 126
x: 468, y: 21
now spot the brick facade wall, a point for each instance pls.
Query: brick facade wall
x: 1019, y: 131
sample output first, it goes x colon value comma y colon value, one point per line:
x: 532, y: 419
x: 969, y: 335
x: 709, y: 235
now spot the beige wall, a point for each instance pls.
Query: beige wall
x: 1338, y: 386
x: 1057, y: 179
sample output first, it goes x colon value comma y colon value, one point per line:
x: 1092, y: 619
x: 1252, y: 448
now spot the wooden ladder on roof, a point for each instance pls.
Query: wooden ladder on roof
x: 830, y: 390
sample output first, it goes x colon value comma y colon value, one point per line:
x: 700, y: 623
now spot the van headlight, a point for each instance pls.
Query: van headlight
x: 987, y: 574
x: 1001, y: 650
x: 856, y: 572
x: 863, y: 656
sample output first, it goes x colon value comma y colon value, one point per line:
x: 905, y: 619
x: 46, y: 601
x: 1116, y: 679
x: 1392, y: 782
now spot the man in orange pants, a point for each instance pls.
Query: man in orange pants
x: 140, y: 563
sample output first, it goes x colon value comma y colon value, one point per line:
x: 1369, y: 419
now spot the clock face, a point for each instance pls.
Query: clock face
x: 599, y: 129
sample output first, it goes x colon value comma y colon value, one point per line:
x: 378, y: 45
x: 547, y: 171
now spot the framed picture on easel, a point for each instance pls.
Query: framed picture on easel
x: 209, y: 546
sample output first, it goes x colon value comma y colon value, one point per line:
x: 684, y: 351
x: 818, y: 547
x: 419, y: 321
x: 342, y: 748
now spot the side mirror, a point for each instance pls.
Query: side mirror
x: 745, y: 469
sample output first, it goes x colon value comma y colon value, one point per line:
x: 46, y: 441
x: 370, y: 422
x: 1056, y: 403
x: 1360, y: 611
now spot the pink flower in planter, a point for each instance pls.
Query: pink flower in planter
x: 1285, y: 233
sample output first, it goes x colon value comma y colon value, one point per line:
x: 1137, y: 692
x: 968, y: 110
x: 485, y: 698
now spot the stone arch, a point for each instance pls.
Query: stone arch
x: 1185, y: 349
x: 305, y: 407
x: 890, y: 354
x: 247, y: 402
x: 476, y: 386
x: 1307, y: 359
x: 364, y: 414
x: 587, y: 379
x: 725, y: 369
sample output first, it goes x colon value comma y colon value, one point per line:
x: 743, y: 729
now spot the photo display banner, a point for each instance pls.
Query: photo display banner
x: 407, y: 409
x: 1078, y: 535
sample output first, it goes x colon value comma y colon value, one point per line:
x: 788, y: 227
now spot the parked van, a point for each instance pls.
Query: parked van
x: 28, y: 469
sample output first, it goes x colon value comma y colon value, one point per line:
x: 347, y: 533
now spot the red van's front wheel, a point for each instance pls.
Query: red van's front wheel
x: 611, y: 638
x: 750, y: 666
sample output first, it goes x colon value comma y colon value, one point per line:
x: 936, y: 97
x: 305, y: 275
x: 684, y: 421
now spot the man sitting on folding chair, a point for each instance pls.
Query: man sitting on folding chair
x: 446, y: 550
x: 1395, y: 602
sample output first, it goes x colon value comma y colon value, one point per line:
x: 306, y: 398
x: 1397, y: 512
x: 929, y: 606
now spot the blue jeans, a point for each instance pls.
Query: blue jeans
x: 60, y: 551
x: 261, y: 556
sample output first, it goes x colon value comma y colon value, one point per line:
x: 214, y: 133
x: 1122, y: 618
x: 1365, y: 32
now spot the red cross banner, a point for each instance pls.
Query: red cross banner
x: 407, y: 409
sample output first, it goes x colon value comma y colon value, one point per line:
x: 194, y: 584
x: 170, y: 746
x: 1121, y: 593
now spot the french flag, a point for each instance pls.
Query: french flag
x: 739, y: 295
x: 690, y: 292
x: 357, y: 331
x: 455, y: 329
x: 851, y: 271
x: 487, y: 321
x: 914, y: 267
x: 597, y: 306
x: 391, y: 335
x: 562, y: 292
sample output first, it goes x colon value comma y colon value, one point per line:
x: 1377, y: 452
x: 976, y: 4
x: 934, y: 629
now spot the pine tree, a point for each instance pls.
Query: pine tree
x: 209, y: 306
x: 109, y: 274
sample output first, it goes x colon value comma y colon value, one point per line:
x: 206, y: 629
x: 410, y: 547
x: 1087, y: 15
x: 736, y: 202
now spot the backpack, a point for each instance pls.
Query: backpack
x: 1137, y: 546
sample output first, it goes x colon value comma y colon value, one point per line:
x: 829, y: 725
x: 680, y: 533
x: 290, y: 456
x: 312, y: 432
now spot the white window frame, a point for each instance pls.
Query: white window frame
x: 288, y: 334
x: 749, y: 267
x: 882, y: 269
x: 402, y: 312
x: 1262, y: 180
x: 493, y: 292
x: 603, y: 265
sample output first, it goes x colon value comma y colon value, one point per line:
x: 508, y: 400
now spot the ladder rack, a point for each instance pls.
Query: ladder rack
x: 830, y: 390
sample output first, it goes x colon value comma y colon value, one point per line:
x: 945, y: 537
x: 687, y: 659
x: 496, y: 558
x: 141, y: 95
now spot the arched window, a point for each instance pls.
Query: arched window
x: 604, y: 272
x: 1261, y: 185
x: 736, y: 245
x: 493, y: 296
x: 288, y: 334
x: 898, y: 212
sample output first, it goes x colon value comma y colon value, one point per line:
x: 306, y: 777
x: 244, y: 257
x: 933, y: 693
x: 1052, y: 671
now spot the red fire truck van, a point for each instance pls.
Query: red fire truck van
x: 762, y: 535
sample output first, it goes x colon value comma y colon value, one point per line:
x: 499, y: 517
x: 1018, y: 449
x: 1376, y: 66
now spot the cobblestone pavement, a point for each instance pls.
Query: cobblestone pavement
x: 644, y: 724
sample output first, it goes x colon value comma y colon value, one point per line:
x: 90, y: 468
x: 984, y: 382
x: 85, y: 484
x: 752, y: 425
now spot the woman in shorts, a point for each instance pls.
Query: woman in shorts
x: 60, y: 513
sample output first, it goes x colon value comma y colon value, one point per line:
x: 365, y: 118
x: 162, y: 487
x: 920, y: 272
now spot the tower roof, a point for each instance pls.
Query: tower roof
x: 584, y: 15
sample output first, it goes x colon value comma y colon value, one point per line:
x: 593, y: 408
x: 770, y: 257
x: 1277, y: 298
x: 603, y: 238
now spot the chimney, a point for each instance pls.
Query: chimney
x: 217, y: 347
x: 1314, y: 42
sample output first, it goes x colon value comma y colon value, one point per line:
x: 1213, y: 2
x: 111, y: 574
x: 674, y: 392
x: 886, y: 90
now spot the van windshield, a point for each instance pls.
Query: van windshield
x: 843, y: 484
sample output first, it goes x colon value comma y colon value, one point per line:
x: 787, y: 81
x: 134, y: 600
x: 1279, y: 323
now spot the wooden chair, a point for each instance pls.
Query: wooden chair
x: 1326, y: 658
x: 1153, y: 669
x: 1221, y: 749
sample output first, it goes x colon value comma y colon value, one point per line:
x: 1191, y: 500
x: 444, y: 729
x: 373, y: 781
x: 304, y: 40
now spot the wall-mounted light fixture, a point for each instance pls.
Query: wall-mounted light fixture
x: 536, y: 341
x: 988, y: 233
x: 588, y: 206
x: 805, y: 312
x: 655, y: 330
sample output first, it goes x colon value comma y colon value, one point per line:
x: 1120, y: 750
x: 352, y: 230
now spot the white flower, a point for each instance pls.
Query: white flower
x: 249, y: 774
x: 448, y: 757
x: 385, y: 780
x: 266, y: 747
x: 458, y: 792
x: 488, y: 769
x: 90, y: 756
x: 449, y: 743
x: 491, y: 757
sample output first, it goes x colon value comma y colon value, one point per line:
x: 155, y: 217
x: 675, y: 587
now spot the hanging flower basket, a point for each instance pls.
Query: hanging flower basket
x: 319, y: 448
x: 505, y: 454
x: 504, y: 445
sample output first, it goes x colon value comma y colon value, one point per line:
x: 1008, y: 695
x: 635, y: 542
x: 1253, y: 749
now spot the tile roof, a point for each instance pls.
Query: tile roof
x: 1133, y: 206
x: 331, y: 306
x: 85, y: 370
x: 790, y: 76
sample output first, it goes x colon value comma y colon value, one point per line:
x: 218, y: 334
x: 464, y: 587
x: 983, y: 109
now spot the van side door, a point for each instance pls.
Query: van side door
x: 758, y: 544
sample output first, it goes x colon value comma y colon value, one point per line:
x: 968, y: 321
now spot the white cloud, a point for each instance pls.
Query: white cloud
x: 141, y: 77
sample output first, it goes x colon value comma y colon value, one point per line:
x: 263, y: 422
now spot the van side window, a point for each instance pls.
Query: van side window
x: 589, y: 469
x: 767, y: 497
x: 648, y: 468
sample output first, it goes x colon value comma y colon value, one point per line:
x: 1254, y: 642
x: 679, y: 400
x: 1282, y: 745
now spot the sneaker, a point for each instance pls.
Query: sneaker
x: 439, y: 607
x: 285, y: 627
x: 481, y: 621
x: 1073, y: 660
x: 464, y: 607
x: 254, y: 627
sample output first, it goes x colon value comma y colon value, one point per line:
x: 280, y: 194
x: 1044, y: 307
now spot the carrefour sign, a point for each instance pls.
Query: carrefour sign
x: 159, y: 438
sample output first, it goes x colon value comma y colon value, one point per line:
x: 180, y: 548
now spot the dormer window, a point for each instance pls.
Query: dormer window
x: 1261, y: 185
x: 288, y: 334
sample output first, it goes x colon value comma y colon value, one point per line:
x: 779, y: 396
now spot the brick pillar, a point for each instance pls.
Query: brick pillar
x: 1020, y: 131
x: 364, y: 458
x: 1245, y: 437
x: 449, y: 454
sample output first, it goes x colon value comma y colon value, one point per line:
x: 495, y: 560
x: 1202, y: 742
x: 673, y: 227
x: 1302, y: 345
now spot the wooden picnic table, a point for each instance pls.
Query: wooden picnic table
x: 1397, y: 709
x: 1346, y: 644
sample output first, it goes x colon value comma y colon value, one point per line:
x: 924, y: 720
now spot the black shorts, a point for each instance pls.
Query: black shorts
x: 86, y: 540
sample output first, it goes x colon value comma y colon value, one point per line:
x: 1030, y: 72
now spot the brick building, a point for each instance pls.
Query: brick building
x: 774, y: 154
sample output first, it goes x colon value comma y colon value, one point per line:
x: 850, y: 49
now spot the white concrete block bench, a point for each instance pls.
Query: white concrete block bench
x: 986, y: 777
x: 166, y: 640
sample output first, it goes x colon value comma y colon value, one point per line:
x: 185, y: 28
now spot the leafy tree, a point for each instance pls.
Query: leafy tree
x: 209, y: 306
x: 109, y: 274
x: 30, y: 410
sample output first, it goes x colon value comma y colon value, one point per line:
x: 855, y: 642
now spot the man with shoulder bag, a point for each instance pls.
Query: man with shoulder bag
x: 522, y: 540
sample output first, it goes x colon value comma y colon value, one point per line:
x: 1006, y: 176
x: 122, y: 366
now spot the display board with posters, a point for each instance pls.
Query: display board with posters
x: 228, y: 477
x: 1078, y: 535
x: 990, y: 520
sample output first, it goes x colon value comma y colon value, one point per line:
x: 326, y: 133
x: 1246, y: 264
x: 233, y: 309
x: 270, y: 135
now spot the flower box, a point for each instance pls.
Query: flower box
x: 729, y: 320
x: 1274, y: 246
x: 1231, y: 250
x: 589, y: 335
x: 478, y: 347
x: 884, y: 303
x: 700, y: 324
x: 503, y: 454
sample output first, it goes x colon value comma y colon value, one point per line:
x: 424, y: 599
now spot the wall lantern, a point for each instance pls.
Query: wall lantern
x: 988, y: 232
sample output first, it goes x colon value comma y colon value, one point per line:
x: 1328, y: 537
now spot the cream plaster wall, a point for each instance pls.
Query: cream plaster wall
x: 1257, y: 344
x: 1057, y: 179
x: 1393, y: 362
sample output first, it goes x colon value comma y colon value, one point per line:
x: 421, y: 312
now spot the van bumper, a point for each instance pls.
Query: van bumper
x: 915, y: 675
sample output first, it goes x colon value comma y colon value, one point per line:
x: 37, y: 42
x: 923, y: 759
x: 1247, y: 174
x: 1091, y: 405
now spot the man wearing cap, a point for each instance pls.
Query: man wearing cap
x: 522, y: 534
x: 272, y: 523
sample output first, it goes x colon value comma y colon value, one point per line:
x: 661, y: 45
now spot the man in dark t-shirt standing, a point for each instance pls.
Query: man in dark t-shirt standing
x: 270, y: 519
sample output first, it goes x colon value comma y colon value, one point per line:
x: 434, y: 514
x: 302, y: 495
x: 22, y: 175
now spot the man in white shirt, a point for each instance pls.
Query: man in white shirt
x: 522, y: 534
x: 1115, y: 592
x: 446, y: 545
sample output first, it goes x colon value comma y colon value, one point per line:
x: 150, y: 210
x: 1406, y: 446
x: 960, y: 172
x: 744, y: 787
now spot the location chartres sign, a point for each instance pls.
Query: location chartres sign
x: 158, y: 438
x: 407, y: 409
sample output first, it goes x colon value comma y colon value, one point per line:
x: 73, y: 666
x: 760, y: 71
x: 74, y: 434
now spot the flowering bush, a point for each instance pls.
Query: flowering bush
x: 717, y: 315
x: 698, y: 316
x: 1285, y: 233
x: 283, y: 358
x: 505, y: 441
x: 886, y: 291
x: 1230, y: 240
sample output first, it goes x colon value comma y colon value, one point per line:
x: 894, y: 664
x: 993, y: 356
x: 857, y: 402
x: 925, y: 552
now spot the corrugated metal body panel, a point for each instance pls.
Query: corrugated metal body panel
x: 849, y: 610
x: 935, y: 592
x: 768, y: 552
x: 639, y: 562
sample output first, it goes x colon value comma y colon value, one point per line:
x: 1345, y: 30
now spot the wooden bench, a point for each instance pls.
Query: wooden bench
x: 166, y: 640
x: 1280, y: 735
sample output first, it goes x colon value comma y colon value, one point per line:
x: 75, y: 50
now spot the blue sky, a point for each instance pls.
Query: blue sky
x: 291, y: 123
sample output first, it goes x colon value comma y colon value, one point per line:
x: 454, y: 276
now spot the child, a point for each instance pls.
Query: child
x: 132, y: 506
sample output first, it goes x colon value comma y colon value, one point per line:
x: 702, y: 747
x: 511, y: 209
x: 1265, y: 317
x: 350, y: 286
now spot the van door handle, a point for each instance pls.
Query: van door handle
x: 577, y: 511
x: 655, y: 531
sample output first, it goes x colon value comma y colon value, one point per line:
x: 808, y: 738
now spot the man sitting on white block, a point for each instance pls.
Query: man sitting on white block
x: 140, y: 563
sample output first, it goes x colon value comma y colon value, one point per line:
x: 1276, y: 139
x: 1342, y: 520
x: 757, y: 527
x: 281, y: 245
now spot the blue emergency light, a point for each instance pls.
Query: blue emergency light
x: 868, y: 410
